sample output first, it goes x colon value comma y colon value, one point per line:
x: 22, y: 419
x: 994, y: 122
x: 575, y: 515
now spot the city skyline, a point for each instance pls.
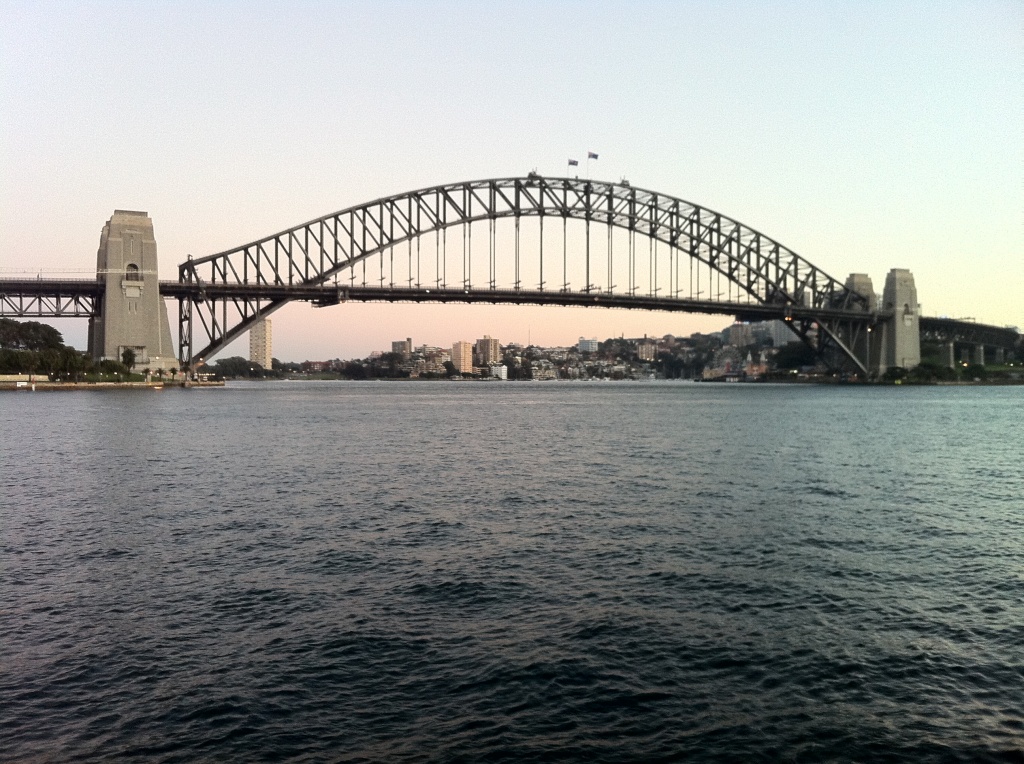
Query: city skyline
x: 410, y: 345
x: 863, y: 143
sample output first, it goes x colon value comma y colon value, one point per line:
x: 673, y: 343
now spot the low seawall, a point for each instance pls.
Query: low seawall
x: 55, y: 386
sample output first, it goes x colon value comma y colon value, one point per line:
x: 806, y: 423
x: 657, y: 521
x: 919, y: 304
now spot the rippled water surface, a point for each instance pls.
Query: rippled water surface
x: 512, y: 572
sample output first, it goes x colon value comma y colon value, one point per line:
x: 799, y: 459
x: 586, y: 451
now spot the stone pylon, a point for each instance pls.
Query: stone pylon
x: 901, y: 340
x: 132, y: 314
x: 865, y: 345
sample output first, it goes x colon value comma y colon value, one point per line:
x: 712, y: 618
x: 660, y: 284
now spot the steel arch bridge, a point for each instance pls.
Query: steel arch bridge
x: 696, y: 260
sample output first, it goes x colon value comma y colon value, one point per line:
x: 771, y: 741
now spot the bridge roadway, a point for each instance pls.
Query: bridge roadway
x: 80, y: 297
x: 326, y: 294
x: 55, y: 298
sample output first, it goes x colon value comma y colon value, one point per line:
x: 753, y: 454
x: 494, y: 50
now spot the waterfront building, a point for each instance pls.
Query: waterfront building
x: 740, y: 335
x: 499, y: 370
x: 780, y: 333
x: 261, y: 344
x: 587, y: 346
x: 427, y: 367
x: 646, y: 350
x: 434, y: 354
x: 756, y: 367
x: 487, y: 350
x: 462, y: 357
x: 544, y: 369
x: 403, y: 348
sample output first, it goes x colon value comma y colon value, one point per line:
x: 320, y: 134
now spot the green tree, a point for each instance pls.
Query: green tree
x: 72, y: 363
x: 49, y: 361
x: 29, y: 335
x: 110, y: 366
x: 353, y: 370
x: 128, y: 358
x: 976, y: 371
x: 672, y: 366
x: 10, y: 361
x: 29, y: 361
x: 931, y: 372
x: 894, y: 374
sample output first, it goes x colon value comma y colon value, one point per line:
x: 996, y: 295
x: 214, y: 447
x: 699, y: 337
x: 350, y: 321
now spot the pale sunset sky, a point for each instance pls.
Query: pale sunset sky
x: 862, y: 135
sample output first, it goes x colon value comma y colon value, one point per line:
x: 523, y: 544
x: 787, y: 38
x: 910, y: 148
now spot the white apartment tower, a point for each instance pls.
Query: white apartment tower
x: 261, y: 347
x: 462, y: 357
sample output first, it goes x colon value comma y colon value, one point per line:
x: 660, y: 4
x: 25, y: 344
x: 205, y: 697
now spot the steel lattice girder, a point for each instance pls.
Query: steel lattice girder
x: 49, y: 298
x: 314, y: 252
x: 968, y: 332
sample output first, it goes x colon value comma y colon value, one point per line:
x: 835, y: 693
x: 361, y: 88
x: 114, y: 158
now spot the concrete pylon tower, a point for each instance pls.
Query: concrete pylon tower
x: 132, y: 314
x: 865, y: 346
x: 901, y: 345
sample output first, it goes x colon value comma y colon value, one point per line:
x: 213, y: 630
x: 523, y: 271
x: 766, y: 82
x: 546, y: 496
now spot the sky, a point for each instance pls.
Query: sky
x: 864, y: 135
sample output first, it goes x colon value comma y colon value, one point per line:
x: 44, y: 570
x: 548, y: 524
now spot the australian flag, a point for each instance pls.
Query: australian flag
x: 573, y: 163
x: 591, y: 155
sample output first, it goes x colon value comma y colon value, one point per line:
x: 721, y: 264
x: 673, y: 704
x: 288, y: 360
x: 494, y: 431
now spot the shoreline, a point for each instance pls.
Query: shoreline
x: 47, y: 386
x: 783, y: 381
x: 61, y: 386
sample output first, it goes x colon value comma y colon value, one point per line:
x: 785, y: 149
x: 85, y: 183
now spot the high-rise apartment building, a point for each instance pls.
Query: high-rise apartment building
x: 260, y: 344
x: 402, y: 347
x: 462, y: 357
x: 488, y: 351
x: 780, y: 333
x: 740, y: 334
x: 587, y: 346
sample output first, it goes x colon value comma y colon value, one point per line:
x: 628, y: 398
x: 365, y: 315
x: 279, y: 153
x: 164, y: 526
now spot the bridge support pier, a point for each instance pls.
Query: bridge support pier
x: 979, y: 355
x: 1000, y: 356
x: 950, y: 352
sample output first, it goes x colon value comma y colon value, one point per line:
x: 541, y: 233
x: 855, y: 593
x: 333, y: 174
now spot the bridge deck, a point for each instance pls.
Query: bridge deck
x: 329, y: 294
x: 47, y: 297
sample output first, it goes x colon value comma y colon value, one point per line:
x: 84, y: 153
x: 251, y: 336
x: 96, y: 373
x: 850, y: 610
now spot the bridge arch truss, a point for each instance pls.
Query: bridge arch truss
x: 351, y: 255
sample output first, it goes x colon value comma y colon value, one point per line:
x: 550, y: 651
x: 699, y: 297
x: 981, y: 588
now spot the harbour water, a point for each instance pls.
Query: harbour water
x: 512, y: 572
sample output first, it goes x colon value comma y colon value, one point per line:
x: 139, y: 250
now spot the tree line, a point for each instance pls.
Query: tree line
x: 31, y: 347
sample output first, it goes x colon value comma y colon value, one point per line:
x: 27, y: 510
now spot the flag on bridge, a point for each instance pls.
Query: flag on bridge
x: 573, y: 163
x: 591, y: 155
